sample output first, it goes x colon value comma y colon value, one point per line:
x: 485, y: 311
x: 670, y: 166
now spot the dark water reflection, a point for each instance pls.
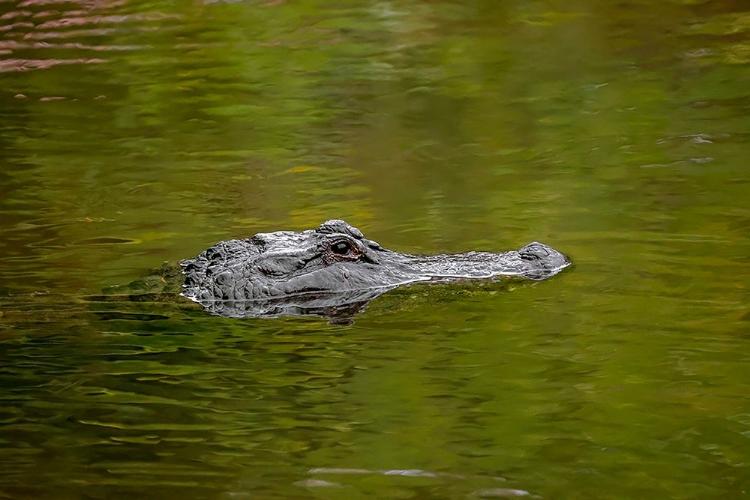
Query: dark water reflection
x: 136, y: 132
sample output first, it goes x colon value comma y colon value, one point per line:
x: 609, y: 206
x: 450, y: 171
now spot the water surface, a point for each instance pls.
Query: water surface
x: 135, y: 132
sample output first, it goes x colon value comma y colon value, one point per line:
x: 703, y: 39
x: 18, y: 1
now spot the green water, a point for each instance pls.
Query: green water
x: 134, y: 132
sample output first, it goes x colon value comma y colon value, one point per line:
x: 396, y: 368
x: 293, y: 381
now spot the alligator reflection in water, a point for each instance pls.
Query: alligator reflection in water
x: 334, y: 271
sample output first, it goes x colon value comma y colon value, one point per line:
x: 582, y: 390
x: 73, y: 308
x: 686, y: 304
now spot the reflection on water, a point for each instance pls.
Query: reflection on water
x: 36, y: 29
x: 135, y: 132
x: 482, y: 493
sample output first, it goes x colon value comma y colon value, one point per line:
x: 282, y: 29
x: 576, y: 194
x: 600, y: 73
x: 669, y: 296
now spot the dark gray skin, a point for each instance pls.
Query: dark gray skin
x: 335, y: 266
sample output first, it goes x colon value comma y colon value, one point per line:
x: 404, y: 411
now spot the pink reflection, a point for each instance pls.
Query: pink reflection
x: 43, y: 35
x: 70, y: 20
x: 13, y: 26
x: 46, y: 13
x: 81, y: 21
x: 14, y: 14
x: 11, y: 45
x: 11, y: 65
x: 91, y: 4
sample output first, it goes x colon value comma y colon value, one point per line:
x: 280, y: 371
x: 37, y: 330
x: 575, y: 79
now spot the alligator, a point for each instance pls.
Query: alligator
x: 335, y: 271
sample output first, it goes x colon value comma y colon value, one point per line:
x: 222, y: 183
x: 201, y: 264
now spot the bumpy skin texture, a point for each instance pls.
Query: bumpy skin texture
x: 335, y: 266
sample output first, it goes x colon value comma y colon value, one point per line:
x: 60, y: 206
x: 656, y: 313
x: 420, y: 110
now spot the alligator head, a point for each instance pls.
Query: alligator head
x: 308, y: 272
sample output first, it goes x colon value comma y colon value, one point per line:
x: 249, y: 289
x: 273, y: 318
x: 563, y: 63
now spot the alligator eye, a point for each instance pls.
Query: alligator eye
x: 341, y: 248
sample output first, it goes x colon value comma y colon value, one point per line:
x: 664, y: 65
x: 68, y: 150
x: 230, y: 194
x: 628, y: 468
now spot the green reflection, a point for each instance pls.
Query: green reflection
x: 138, y: 132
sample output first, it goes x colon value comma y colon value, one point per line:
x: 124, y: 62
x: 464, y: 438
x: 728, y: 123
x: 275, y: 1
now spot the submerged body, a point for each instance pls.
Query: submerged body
x: 285, y: 268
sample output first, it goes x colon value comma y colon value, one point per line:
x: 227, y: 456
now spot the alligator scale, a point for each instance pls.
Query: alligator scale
x: 334, y: 267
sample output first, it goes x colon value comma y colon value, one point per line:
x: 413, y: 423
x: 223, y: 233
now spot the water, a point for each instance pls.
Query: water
x: 137, y: 132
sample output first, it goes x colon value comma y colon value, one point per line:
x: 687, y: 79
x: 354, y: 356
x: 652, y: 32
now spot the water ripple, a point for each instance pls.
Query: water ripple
x: 27, y: 31
x: 10, y: 65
